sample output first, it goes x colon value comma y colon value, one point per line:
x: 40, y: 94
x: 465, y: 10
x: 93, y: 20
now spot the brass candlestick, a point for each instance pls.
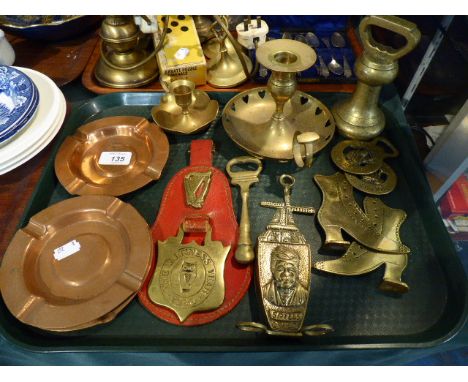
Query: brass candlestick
x: 184, y: 109
x: 265, y: 121
x: 228, y: 68
x: 360, y: 116
x: 124, y: 62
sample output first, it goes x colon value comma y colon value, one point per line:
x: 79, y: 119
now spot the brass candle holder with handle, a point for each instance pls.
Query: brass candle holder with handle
x: 360, y: 116
x: 264, y: 121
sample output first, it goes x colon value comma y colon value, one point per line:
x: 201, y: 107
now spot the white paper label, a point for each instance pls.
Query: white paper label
x: 117, y: 158
x: 182, y: 53
x: 66, y: 250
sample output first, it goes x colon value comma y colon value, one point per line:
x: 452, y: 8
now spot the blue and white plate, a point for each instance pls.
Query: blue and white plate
x: 19, y: 99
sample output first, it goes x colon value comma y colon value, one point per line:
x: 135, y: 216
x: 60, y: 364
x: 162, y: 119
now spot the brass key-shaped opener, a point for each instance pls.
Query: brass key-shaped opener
x: 244, y: 179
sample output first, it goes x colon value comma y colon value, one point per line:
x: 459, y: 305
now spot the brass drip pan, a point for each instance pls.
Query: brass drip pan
x: 247, y: 119
x: 50, y: 287
x: 169, y: 116
x: 79, y: 162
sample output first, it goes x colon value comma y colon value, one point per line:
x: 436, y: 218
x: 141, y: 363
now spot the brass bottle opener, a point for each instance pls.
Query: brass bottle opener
x: 381, y: 182
x: 359, y: 260
x: 360, y: 158
x: 244, y: 179
x: 376, y: 227
x: 284, y: 262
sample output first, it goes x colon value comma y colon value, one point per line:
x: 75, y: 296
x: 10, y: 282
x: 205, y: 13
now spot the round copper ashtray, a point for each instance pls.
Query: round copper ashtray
x: 76, y: 264
x: 112, y: 156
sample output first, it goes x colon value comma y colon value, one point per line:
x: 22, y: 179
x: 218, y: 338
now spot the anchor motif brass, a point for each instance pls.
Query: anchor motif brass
x: 189, y: 277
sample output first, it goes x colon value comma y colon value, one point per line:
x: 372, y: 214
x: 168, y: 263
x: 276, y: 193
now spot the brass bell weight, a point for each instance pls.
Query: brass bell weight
x: 125, y: 62
x: 360, y: 116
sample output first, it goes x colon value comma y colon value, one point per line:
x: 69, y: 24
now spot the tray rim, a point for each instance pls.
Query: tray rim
x: 90, y: 107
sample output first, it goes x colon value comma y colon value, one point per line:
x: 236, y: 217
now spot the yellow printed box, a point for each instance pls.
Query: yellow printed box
x: 182, y: 55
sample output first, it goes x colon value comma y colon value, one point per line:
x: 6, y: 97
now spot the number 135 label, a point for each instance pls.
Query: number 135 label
x: 118, y: 158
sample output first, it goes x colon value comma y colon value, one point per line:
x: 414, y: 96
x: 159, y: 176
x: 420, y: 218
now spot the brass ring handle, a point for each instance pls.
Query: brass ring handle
x: 394, y: 24
x: 303, y: 148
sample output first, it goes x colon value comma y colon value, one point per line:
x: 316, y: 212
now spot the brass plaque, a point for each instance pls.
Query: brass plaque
x: 189, y: 277
x: 197, y: 185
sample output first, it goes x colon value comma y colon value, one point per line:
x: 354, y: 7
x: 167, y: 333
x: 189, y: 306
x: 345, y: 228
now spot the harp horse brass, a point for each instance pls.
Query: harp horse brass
x: 284, y: 263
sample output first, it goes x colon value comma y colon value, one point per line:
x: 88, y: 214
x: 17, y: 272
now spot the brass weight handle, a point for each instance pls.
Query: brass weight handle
x: 244, y: 179
x: 394, y: 24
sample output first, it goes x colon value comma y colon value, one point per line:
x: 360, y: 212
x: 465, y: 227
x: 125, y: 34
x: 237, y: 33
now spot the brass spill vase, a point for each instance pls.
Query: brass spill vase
x: 360, y: 116
x: 125, y: 62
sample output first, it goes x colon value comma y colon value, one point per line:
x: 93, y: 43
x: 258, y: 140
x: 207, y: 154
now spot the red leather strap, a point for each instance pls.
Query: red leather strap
x: 218, y: 208
x: 201, y: 152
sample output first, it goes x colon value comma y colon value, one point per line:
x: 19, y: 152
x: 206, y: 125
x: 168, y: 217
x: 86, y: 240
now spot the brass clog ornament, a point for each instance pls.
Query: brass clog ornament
x: 244, y: 179
x: 376, y: 227
x: 284, y: 262
x: 360, y: 116
x: 359, y: 260
x: 184, y: 110
x: 125, y: 61
x: 265, y: 121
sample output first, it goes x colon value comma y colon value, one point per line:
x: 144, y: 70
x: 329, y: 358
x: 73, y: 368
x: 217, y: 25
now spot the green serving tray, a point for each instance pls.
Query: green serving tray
x: 432, y: 312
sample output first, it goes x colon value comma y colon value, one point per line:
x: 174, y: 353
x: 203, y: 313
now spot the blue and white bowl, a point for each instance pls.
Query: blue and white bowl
x: 19, y: 99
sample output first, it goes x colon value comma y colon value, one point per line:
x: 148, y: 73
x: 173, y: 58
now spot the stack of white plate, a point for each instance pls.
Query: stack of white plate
x: 38, y: 130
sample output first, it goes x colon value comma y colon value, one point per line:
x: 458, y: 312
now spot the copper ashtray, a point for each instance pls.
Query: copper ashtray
x: 112, y: 156
x: 76, y: 264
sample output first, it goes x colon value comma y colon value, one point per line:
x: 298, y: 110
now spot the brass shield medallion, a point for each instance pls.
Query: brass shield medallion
x: 189, y: 277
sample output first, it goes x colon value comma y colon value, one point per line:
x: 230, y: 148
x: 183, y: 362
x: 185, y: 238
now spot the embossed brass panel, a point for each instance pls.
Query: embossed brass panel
x: 360, y: 116
x: 359, y: 260
x: 244, y: 179
x: 189, y: 277
x: 284, y: 261
x: 376, y: 227
x: 359, y: 157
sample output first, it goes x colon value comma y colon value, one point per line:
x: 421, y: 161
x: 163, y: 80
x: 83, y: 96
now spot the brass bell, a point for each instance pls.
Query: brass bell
x: 124, y: 61
x: 360, y: 116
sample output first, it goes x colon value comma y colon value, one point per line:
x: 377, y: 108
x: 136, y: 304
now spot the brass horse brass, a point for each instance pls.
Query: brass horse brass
x: 359, y: 157
x: 381, y: 182
x: 284, y: 261
x: 244, y: 179
x: 189, y: 277
x: 359, y: 260
x: 376, y: 227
